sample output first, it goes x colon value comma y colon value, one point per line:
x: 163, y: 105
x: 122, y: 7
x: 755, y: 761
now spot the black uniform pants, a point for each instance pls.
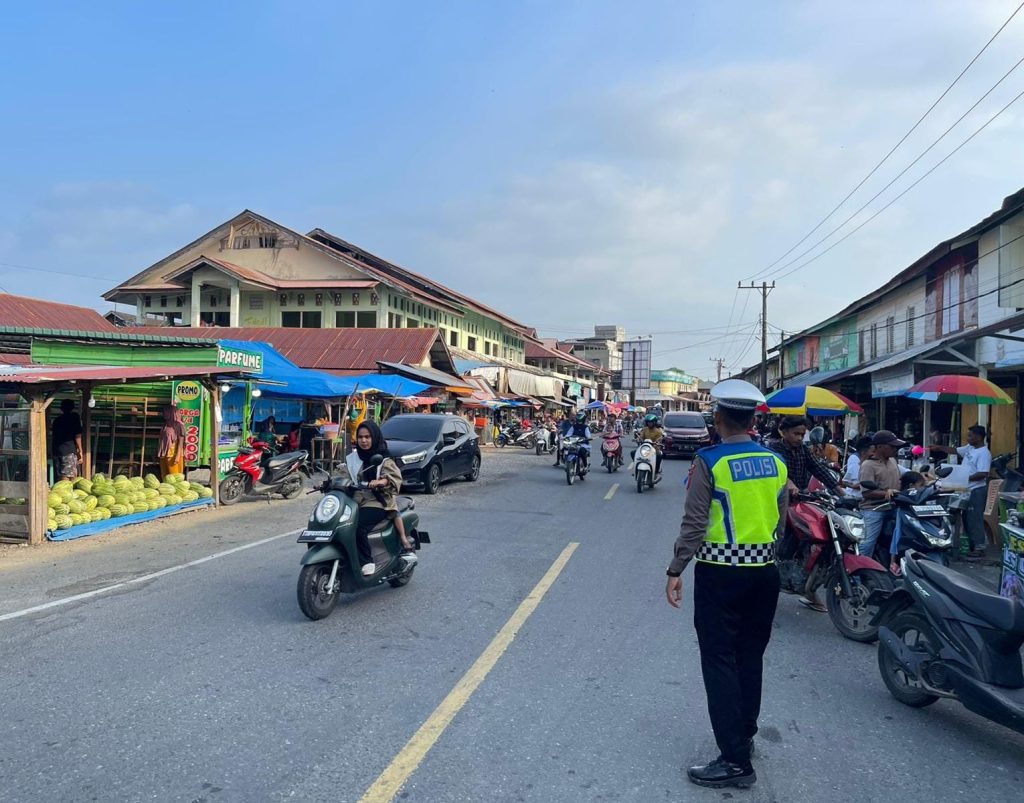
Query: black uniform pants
x: 733, y: 609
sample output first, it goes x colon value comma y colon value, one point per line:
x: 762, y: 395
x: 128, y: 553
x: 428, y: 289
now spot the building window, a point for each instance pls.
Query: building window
x: 319, y: 297
x: 874, y: 340
x: 179, y: 301
x: 215, y: 318
x: 307, y: 319
x: 412, y: 323
x: 471, y: 343
x: 268, y: 241
x: 890, y: 335
x: 345, y: 319
x: 147, y: 301
x: 1011, y: 263
x: 355, y: 299
x: 163, y: 301
x: 951, y: 302
x: 910, y: 327
x: 284, y: 299
x: 453, y: 338
x: 213, y: 301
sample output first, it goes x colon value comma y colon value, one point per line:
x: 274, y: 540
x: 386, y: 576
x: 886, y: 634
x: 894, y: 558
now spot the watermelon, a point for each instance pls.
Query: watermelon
x: 104, y: 513
x: 98, y: 478
x: 105, y: 501
x: 151, y: 481
x: 173, y: 499
x: 95, y: 515
x: 63, y: 522
x: 190, y: 496
x: 176, y: 476
x: 122, y: 499
x: 62, y: 485
x: 118, y: 510
x: 82, y: 484
x: 54, y: 499
x: 151, y: 493
x: 206, y: 493
x: 90, y: 502
x: 138, y: 482
x: 76, y: 506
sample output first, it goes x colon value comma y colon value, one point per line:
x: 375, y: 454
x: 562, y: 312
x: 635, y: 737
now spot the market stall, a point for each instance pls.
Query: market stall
x: 24, y: 464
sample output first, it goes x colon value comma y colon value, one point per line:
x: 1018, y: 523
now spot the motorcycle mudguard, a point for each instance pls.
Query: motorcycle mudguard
x: 888, y: 603
x: 856, y: 562
x: 321, y: 554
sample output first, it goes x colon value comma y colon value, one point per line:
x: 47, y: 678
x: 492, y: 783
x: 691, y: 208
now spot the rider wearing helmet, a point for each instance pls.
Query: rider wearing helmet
x: 653, y: 432
x: 613, y: 427
x: 822, y: 448
x: 581, y: 429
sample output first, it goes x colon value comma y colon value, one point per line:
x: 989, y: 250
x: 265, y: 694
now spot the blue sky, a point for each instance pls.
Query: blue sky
x: 570, y: 163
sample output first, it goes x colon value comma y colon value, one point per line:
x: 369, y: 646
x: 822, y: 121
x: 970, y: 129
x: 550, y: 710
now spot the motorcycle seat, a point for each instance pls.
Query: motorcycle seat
x: 1002, y: 613
x: 405, y: 503
x: 284, y: 459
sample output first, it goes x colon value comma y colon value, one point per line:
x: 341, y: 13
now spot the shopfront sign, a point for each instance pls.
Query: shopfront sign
x: 250, y: 361
x: 892, y: 381
x: 1012, y: 581
x: 188, y: 398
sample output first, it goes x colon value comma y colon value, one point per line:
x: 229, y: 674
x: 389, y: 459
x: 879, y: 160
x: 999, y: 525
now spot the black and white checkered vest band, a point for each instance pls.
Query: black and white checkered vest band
x: 737, y: 554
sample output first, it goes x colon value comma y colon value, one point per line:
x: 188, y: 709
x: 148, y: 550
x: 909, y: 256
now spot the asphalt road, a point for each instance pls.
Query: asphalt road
x: 207, y: 683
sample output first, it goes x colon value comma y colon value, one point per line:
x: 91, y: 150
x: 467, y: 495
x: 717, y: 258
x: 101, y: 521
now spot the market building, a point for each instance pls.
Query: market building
x: 956, y: 310
x: 251, y: 272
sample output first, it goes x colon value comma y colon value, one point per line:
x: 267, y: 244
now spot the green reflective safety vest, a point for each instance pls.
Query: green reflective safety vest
x: 746, y: 482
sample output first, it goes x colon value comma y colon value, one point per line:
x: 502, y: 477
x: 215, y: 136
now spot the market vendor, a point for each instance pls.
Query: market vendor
x: 171, y: 450
x: 67, y: 441
x: 978, y: 459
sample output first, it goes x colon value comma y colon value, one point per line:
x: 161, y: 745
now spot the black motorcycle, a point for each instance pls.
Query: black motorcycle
x: 944, y: 635
x: 1013, y: 480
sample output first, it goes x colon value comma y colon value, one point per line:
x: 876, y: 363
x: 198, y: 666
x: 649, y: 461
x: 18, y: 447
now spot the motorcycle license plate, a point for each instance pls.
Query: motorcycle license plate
x: 315, y: 536
x: 928, y: 510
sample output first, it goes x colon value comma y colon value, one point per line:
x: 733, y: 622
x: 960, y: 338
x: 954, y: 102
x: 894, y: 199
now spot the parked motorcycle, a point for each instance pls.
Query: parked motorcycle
x: 944, y: 635
x: 819, y: 549
x: 1013, y: 480
x: 508, y: 433
x: 574, y: 455
x: 331, y: 564
x: 925, y: 525
x: 611, y: 451
x: 645, y: 465
x: 545, y: 440
x: 256, y: 472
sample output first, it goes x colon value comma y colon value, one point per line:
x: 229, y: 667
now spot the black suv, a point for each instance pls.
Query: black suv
x: 432, y: 448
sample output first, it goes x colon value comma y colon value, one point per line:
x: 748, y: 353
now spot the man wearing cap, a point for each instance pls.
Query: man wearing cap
x: 880, y: 468
x: 735, y: 503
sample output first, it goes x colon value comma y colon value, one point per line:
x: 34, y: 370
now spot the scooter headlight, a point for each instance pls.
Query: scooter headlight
x: 327, y: 509
x: 943, y: 539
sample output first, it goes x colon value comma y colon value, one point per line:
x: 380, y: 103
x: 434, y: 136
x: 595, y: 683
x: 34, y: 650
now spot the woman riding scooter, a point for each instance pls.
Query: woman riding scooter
x: 379, y: 502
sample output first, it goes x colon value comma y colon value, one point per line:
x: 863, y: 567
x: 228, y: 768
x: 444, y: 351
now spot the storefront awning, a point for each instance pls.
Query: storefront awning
x: 430, y: 376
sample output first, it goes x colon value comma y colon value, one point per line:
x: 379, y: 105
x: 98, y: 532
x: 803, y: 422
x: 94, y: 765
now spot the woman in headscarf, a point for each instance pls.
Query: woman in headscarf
x: 380, y: 501
x: 171, y: 450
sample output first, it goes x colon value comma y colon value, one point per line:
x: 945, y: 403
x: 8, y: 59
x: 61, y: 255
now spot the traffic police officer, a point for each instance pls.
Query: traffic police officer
x: 735, y: 506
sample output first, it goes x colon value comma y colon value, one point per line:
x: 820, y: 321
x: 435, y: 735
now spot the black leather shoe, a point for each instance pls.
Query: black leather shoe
x: 720, y: 773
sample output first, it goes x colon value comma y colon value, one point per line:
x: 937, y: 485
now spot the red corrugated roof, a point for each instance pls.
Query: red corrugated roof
x: 537, y: 351
x: 47, y: 374
x: 7, y: 358
x: 34, y: 313
x: 332, y: 350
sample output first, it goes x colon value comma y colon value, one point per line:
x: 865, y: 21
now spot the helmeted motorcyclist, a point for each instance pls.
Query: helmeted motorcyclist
x: 581, y: 429
x: 613, y: 427
x: 653, y: 432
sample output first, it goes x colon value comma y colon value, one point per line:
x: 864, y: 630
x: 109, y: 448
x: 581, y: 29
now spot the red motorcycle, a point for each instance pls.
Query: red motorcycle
x: 819, y: 548
x: 611, y: 450
x: 258, y: 472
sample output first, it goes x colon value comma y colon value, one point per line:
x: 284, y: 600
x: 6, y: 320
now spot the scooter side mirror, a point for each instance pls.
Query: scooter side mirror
x: 376, y: 460
x: 943, y: 471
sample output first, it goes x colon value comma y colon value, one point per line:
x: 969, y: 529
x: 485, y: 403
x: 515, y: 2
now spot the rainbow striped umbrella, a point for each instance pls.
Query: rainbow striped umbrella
x: 959, y: 389
x: 810, y: 400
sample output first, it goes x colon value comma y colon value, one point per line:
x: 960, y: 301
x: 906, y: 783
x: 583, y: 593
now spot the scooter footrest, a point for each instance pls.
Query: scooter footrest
x: 422, y: 537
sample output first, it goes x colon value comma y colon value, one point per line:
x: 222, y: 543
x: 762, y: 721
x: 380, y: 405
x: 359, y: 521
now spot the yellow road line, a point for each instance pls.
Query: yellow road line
x: 611, y: 492
x: 390, y: 782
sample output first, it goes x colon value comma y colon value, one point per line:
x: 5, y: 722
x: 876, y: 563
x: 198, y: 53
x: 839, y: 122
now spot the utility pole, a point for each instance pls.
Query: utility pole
x: 719, y: 362
x: 764, y: 289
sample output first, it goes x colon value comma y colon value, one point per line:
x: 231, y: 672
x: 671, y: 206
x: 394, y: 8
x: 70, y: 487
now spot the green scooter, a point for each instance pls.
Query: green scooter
x: 331, y: 564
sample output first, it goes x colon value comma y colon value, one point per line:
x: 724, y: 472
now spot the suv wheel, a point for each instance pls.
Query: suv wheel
x: 474, y: 470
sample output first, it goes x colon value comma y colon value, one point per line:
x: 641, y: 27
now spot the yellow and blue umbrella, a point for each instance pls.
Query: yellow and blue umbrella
x: 810, y: 400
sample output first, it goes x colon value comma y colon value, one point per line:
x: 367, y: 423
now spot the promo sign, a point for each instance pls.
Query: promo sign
x: 188, y: 398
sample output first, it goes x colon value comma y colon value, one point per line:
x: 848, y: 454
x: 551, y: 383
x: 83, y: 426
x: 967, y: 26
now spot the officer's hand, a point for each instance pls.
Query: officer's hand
x: 674, y: 591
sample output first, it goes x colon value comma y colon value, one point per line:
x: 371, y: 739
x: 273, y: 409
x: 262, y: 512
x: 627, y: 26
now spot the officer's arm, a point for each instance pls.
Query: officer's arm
x: 695, y: 517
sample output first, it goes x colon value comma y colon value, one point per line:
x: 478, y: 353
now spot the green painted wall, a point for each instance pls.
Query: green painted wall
x: 51, y: 352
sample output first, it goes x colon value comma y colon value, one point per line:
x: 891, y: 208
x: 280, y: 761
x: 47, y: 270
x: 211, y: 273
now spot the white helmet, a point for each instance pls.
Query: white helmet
x: 735, y: 394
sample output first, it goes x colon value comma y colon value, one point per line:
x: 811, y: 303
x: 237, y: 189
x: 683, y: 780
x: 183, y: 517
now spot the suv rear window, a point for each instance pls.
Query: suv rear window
x: 411, y: 428
x: 684, y: 420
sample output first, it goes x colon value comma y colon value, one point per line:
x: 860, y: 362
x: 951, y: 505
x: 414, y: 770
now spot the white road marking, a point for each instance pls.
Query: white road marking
x: 611, y: 492
x: 143, y: 579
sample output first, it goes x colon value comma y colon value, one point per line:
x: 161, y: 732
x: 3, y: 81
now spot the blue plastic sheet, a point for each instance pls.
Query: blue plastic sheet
x: 97, y: 527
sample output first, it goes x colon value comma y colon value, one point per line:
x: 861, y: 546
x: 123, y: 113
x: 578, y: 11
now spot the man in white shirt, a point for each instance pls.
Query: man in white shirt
x: 851, y: 477
x: 978, y: 459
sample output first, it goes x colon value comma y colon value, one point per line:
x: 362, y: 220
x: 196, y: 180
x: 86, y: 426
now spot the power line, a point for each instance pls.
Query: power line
x: 902, y: 139
x: 904, y: 192
x: 55, y: 272
x: 902, y: 173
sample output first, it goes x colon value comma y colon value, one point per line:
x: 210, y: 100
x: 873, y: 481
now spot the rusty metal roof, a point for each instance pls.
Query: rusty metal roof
x: 22, y: 311
x: 103, y: 374
x: 334, y: 349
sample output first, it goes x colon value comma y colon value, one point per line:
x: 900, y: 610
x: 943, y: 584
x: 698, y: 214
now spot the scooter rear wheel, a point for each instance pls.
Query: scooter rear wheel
x: 291, y: 487
x: 914, y: 631
x: 314, y: 599
x: 570, y: 472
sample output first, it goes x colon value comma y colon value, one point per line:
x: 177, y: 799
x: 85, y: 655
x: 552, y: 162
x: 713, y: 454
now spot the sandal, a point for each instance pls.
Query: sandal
x: 814, y: 606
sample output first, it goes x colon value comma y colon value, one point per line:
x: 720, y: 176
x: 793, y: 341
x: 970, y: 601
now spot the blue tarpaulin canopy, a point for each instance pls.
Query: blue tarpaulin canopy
x: 290, y: 381
x: 388, y: 384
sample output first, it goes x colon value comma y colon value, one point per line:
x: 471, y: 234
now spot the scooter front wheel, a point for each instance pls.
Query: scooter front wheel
x: 315, y: 599
x: 232, y: 488
x: 570, y: 472
x: 641, y: 481
x: 913, y: 630
x: 401, y: 580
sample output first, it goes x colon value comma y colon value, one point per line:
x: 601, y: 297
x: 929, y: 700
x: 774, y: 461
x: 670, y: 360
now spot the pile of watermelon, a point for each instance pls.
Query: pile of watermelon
x: 84, y: 501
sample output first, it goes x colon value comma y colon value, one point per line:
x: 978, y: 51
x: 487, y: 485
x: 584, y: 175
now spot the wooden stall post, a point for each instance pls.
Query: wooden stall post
x: 37, y: 467
x: 214, y: 390
x: 145, y: 428
x: 86, y: 440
